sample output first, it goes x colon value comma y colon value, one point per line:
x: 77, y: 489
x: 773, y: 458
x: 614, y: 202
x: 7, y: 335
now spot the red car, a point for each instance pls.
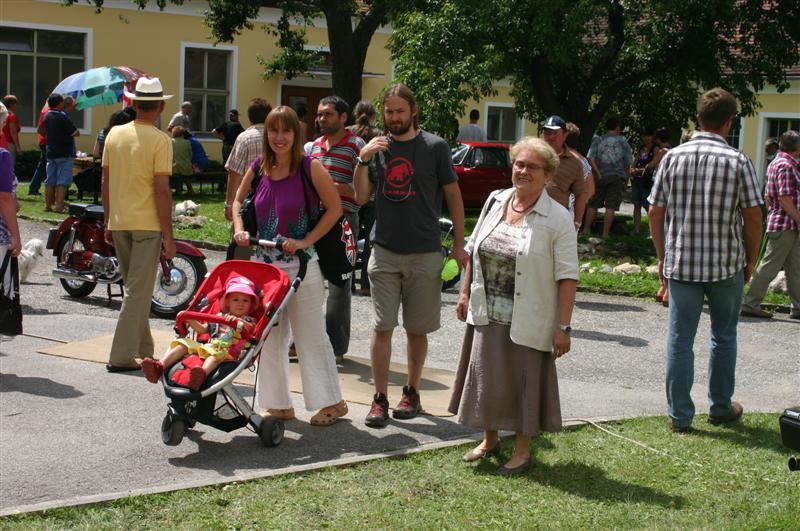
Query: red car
x: 482, y: 167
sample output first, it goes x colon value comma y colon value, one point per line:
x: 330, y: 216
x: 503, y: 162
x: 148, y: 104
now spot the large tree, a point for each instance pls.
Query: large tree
x: 348, y: 41
x: 586, y: 59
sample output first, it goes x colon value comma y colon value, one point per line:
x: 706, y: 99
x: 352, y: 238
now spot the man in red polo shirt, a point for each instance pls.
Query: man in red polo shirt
x: 338, y: 150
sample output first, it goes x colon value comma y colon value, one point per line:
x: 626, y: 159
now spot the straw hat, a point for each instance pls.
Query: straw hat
x: 148, y: 89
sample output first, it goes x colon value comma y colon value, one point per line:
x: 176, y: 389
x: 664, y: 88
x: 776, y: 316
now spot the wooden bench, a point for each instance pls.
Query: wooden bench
x: 217, y: 179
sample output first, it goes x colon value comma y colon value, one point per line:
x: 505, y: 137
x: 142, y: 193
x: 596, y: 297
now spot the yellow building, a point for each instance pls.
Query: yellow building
x: 42, y: 42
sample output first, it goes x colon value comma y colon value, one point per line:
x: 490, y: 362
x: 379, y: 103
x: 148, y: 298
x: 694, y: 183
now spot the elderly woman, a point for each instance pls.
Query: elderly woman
x: 9, y: 230
x: 517, y: 298
x: 280, y: 206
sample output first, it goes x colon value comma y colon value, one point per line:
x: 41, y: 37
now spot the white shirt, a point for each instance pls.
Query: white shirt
x: 472, y: 133
x: 547, y: 254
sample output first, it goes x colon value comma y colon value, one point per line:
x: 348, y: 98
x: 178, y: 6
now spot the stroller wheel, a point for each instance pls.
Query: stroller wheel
x: 172, y: 430
x: 271, y: 431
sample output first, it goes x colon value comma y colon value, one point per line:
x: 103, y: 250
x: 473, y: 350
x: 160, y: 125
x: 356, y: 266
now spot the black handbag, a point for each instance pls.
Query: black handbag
x: 248, y: 213
x: 336, y: 249
x: 10, y: 308
x: 248, y: 209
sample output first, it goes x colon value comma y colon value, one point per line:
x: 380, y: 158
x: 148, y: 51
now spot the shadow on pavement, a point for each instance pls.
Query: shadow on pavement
x: 305, y: 444
x: 625, y: 341
x: 607, y: 307
x: 36, y: 386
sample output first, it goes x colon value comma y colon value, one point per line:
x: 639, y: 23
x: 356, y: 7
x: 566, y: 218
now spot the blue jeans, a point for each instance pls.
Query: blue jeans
x: 39, y: 173
x: 685, y: 307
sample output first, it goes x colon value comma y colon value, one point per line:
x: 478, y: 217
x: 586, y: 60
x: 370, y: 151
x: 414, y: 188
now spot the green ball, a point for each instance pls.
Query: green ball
x: 450, y: 269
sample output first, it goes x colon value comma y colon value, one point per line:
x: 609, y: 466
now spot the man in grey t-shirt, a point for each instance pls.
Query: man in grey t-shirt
x: 613, y: 156
x: 415, y: 173
x: 472, y: 131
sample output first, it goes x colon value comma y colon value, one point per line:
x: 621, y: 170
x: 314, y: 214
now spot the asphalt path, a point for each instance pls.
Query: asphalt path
x: 72, y: 433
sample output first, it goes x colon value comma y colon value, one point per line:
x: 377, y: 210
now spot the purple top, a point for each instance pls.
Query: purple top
x: 281, y: 210
x: 8, y: 184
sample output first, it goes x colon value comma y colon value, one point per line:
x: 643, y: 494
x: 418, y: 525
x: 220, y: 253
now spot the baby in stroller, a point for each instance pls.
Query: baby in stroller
x: 226, y: 342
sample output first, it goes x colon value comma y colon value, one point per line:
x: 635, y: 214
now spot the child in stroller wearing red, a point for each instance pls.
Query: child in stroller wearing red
x: 225, y: 343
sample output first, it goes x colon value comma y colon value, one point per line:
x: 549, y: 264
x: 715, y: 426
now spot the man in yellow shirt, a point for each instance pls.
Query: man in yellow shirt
x: 137, y: 164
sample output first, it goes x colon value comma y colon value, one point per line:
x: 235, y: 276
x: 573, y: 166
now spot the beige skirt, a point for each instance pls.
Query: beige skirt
x: 504, y: 386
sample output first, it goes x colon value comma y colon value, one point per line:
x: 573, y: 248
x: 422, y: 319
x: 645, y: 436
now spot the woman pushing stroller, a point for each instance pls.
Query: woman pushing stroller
x: 282, y: 211
x: 226, y: 343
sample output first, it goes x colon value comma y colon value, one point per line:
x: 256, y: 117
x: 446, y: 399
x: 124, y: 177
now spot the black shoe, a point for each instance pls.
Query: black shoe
x: 674, y: 428
x: 34, y: 193
x: 122, y: 368
x: 409, y: 406
x: 732, y: 416
x: 378, y: 416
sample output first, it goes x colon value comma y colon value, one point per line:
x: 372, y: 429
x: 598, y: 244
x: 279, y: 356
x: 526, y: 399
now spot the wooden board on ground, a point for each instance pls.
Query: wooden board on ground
x: 355, y: 374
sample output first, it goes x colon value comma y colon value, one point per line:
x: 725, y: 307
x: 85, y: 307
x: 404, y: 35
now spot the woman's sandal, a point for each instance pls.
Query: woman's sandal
x: 329, y: 415
x: 283, y: 414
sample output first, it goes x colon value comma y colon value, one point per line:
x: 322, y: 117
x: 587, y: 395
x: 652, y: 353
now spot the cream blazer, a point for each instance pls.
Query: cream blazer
x: 548, y: 253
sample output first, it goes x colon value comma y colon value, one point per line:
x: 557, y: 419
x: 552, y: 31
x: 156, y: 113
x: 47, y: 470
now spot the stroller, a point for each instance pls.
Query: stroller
x: 218, y: 403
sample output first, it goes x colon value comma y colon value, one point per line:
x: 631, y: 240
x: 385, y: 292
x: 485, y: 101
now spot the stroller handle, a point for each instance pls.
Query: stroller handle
x: 270, y: 244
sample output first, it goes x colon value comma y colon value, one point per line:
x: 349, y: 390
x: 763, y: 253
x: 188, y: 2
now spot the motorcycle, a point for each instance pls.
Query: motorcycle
x: 446, y: 236
x: 84, y: 260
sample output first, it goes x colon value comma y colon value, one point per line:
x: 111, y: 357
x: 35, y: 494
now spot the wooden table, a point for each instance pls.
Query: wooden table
x: 91, y: 185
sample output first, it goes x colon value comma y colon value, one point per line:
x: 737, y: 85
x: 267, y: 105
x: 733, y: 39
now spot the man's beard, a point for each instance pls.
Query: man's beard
x: 401, y: 128
x: 332, y: 129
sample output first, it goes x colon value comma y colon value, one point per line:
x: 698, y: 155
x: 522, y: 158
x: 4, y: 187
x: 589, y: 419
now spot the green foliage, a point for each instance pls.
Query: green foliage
x: 587, y: 59
x: 718, y: 477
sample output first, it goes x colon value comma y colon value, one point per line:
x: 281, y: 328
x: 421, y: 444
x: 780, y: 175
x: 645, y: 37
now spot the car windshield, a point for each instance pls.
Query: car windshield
x: 458, y: 153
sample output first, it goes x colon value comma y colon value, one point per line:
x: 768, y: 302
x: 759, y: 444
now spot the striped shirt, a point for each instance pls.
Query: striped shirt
x: 704, y: 184
x: 783, y: 178
x: 247, y: 148
x: 340, y: 161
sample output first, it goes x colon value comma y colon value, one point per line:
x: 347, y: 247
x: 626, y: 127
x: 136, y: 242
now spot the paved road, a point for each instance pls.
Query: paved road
x: 71, y: 433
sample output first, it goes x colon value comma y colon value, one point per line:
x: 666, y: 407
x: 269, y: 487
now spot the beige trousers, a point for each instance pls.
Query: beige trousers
x: 138, y: 252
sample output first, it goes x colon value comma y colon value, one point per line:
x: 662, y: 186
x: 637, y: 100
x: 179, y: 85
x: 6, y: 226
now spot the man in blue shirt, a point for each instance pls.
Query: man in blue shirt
x: 613, y: 156
x: 59, y: 132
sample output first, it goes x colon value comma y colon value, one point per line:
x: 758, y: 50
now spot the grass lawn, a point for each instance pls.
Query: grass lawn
x: 635, y: 247
x: 714, y: 478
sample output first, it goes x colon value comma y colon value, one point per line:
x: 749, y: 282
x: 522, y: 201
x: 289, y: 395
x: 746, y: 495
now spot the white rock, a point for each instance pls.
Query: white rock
x: 595, y: 241
x: 779, y: 284
x: 586, y: 267
x: 652, y: 269
x: 585, y: 248
x: 627, y: 268
x: 605, y: 268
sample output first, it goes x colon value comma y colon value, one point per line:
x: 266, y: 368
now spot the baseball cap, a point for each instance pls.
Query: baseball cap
x: 555, y: 122
x: 233, y: 111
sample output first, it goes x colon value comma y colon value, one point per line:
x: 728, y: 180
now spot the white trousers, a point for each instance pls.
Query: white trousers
x: 303, y: 318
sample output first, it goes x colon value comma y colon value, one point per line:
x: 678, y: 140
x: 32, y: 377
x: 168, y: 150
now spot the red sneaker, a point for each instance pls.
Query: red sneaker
x: 152, y: 369
x: 197, y: 376
x: 378, y: 415
x: 409, y: 406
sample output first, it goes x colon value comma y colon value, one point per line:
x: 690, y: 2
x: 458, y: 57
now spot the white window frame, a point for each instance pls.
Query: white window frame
x: 88, y: 59
x: 763, y: 118
x: 517, y: 128
x: 233, y: 75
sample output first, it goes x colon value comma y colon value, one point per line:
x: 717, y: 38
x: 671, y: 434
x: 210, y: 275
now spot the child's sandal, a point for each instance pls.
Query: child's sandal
x: 329, y: 415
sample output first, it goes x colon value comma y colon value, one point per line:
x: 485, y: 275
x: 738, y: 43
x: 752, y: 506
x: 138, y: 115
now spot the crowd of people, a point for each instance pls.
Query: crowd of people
x: 520, y: 265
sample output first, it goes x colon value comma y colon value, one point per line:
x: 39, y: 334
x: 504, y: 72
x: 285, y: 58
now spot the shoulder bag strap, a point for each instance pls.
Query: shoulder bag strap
x: 306, y: 181
x: 4, y: 268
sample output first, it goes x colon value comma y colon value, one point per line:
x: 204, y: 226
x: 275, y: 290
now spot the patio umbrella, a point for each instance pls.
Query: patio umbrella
x: 99, y: 86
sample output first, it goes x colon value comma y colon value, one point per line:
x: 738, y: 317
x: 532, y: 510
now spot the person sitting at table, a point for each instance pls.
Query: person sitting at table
x: 116, y: 118
x: 181, y: 161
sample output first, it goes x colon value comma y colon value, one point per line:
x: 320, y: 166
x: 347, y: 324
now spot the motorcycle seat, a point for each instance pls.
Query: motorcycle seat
x: 86, y: 210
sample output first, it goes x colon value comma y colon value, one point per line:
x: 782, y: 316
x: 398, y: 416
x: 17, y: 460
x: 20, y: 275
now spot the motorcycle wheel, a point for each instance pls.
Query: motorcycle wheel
x: 171, y: 297
x: 75, y: 288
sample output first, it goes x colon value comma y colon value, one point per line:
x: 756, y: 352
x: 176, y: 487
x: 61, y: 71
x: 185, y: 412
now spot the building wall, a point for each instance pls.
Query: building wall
x: 154, y: 41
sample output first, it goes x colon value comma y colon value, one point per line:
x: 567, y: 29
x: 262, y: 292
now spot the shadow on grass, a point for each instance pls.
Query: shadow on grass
x: 746, y: 436
x: 589, y: 482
